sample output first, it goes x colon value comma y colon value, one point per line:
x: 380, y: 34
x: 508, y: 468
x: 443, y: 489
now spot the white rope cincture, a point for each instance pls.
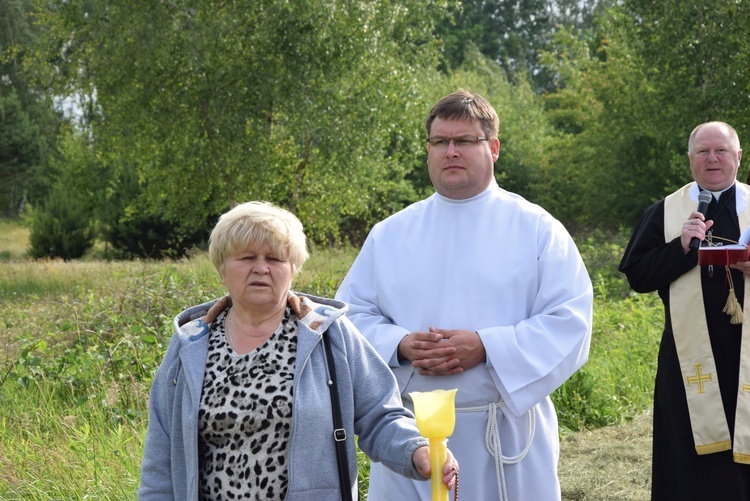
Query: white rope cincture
x: 492, y: 442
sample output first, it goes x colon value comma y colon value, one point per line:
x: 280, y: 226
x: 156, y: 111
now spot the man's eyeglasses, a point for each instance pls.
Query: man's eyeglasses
x: 459, y: 142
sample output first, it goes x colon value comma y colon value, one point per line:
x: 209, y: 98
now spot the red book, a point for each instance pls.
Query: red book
x: 723, y: 255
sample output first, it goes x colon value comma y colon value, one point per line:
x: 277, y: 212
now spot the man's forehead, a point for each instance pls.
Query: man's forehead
x: 714, y: 133
x: 455, y: 124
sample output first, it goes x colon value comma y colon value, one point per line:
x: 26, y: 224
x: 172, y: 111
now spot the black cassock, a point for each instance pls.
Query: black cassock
x: 650, y: 264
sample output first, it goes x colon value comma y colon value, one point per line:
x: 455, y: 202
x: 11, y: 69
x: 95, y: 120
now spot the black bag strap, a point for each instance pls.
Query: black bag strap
x: 339, y: 433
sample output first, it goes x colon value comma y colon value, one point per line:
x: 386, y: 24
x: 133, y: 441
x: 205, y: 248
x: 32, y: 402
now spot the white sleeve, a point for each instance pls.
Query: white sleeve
x: 532, y: 358
x: 359, y: 291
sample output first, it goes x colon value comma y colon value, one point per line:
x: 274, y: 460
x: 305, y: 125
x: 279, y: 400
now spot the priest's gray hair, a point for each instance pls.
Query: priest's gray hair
x: 465, y: 105
x: 256, y: 223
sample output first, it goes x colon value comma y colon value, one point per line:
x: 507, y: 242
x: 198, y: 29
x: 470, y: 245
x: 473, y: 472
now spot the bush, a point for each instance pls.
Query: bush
x: 134, y: 230
x: 153, y: 237
x: 62, y: 228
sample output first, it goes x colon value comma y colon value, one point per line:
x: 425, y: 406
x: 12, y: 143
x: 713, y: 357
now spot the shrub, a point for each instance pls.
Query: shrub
x: 153, y: 237
x: 135, y: 230
x: 61, y: 228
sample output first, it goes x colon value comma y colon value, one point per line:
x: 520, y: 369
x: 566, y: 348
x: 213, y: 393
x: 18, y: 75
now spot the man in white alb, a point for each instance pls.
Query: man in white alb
x: 477, y: 289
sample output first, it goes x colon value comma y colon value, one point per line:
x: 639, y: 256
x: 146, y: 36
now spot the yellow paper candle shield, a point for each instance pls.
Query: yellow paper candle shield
x: 436, y: 417
x: 435, y: 412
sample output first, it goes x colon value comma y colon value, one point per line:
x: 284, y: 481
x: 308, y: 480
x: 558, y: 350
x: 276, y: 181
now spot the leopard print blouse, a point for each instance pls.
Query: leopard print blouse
x: 245, y: 416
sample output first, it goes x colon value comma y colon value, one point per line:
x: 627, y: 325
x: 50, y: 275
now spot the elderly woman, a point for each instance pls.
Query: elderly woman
x: 240, y: 407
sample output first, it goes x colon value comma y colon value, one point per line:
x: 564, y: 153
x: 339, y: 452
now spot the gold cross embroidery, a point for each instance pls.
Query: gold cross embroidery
x: 699, y: 378
x: 746, y: 387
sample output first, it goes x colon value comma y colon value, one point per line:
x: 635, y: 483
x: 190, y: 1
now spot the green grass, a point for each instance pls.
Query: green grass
x: 617, y: 381
x: 61, y: 443
x: 14, y: 239
x: 81, y: 341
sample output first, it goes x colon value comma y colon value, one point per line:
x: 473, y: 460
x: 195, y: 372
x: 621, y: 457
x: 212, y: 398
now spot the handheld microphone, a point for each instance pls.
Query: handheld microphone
x: 704, y: 198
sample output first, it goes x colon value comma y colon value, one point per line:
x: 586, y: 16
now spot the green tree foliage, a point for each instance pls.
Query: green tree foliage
x: 217, y: 102
x: 512, y: 33
x: 505, y: 31
x: 191, y: 106
x: 21, y: 151
x: 611, y: 155
x: 625, y: 98
x: 695, y: 54
x: 697, y: 51
x: 28, y: 122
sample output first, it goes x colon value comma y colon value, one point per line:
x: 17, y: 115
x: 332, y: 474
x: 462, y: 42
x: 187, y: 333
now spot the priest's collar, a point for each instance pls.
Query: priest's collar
x: 741, y: 197
x: 483, y: 195
x: 717, y: 194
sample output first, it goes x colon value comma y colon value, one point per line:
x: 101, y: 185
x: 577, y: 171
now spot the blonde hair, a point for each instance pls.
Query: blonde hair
x: 256, y: 223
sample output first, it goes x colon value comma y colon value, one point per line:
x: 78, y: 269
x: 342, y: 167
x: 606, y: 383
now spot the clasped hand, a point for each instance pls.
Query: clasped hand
x: 442, y: 352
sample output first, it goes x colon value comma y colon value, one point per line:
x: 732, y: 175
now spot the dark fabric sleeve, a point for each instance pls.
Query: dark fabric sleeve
x: 649, y: 263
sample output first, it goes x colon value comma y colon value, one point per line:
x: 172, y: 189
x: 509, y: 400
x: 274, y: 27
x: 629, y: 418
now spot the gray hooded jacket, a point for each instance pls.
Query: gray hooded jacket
x: 370, y: 405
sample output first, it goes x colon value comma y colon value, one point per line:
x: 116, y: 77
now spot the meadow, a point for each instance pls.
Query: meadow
x: 82, y: 340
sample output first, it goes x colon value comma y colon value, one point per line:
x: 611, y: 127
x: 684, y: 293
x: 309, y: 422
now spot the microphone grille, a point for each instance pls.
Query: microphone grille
x: 705, y: 197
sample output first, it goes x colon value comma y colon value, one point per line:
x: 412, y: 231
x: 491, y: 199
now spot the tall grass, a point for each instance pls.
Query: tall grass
x: 14, y: 240
x: 59, y: 442
x: 82, y: 340
x: 617, y: 381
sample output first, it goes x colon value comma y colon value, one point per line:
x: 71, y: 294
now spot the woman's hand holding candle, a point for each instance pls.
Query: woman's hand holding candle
x: 436, y: 417
x: 421, y: 459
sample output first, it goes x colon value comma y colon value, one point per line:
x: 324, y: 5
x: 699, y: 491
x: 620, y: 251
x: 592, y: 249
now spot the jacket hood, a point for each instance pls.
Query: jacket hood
x: 316, y: 313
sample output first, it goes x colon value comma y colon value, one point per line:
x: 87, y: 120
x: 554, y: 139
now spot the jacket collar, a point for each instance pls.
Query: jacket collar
x: 314, y: 312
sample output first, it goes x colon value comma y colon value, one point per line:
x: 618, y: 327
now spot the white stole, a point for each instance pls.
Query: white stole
x: 688, y: 315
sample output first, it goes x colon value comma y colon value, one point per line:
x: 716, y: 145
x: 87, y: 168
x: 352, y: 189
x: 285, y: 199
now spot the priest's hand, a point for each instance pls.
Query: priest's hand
x: 442, y: 352
x: 428, y: 352
x: 470, y: 350
x: 743, y: 266
x: 695, y: 227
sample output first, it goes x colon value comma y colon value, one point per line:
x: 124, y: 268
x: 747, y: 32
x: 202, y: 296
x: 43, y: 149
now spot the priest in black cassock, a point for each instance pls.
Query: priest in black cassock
x: 701, y: 435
